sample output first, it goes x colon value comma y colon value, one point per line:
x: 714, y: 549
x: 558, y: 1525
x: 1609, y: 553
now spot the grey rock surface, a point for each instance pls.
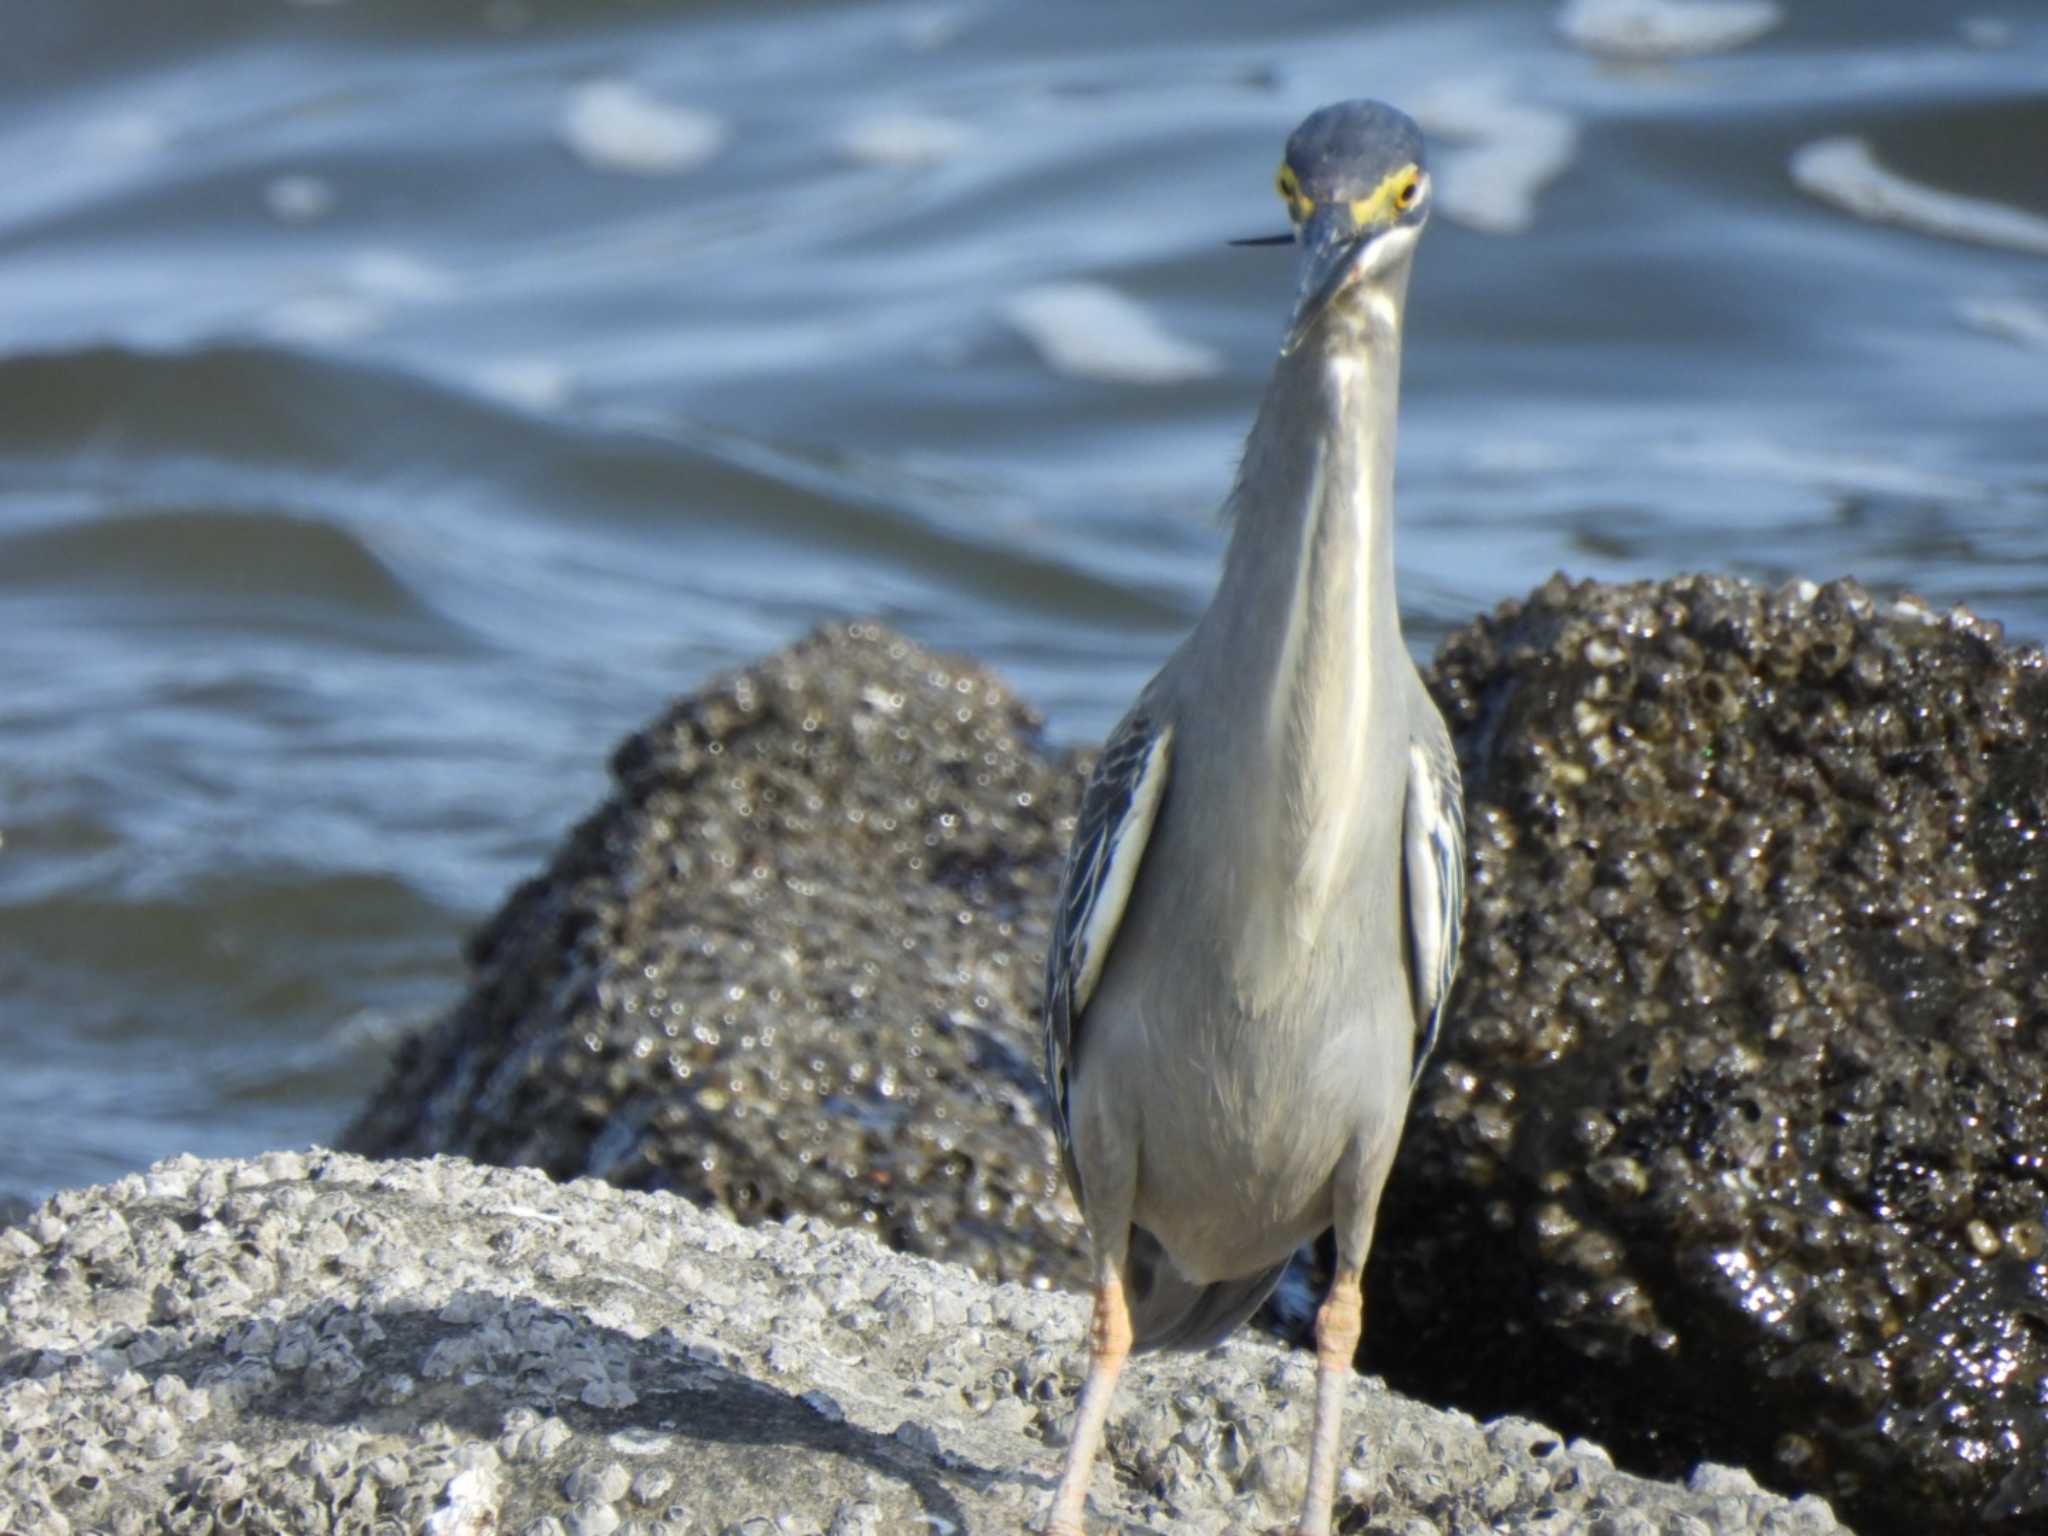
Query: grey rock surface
x: 318, y: 1343
x: 1743, y: 1111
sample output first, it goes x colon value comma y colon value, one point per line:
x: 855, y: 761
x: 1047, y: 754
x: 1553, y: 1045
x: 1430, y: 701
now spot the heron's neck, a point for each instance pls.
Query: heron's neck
x: 1305, y: 625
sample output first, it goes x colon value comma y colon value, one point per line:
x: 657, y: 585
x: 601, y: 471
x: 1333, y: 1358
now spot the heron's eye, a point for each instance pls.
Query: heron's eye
x: 1287, y: 185
x: 1410, y: 192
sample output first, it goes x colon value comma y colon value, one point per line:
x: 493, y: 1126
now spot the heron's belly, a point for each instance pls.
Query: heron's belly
x: 1240, y: 1152
x: 1214, y: 1231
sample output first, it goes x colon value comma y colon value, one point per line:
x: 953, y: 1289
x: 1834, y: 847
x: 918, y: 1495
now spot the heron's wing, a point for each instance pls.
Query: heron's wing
x: 1117, y: 812
x: 1433, y: 870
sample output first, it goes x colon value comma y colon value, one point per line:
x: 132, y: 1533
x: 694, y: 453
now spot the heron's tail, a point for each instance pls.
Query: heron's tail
x: 1170, y: 1312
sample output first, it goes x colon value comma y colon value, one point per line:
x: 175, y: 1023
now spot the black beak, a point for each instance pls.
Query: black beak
x: 1330, y: 246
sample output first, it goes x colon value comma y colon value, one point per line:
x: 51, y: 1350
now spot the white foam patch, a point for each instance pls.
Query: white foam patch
x: 298, y: 199
x: 534, y: 383
x: 1502, y: 153
x: 390, y: 274
x: 902, y: 139
x: 1520, y: 456
x: 1665, y: 29
x: 1092, y: 331
x: 122, y: 136
x: 1803, y: 466
x: 326, y: 318
x: 2020, y: 320
x: 614, y: 125
x: 1844, y: 172
x: 360, y: 298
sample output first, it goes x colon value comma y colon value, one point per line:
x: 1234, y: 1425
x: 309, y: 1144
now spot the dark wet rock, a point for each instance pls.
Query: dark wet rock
x: 790, y: 965
x: 1738, y: 1143
x: 313, y: 1344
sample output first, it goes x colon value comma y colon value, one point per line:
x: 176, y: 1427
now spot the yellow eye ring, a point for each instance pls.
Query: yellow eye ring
x: 1410, y: 191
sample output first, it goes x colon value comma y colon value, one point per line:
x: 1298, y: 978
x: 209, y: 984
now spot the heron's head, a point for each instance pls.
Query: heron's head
x: 1357, y: 191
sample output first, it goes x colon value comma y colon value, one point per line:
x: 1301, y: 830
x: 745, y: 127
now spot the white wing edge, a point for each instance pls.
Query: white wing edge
x: 1434, y: 848
x: 1123, y: 853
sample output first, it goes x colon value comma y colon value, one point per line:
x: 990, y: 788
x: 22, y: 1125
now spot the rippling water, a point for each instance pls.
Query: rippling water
x: 398, y: 401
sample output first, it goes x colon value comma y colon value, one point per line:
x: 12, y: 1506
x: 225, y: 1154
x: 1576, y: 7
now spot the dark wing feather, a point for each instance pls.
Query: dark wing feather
x: 1117, y: 812
x: 1433, y: 866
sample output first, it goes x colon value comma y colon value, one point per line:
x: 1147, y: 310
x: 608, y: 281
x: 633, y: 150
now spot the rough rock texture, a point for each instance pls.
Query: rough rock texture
x: 790, y: 965
x: 1743, y: 1113
x: 313, y: 1344
x: 1735, y: 1146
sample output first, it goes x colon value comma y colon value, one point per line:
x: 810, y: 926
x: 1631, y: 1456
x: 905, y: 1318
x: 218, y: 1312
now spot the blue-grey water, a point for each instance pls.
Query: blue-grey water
x: 400, y: 400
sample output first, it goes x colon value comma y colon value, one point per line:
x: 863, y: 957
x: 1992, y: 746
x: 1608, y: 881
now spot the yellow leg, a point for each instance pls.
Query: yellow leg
x: 1109, y: 1341
x: 1338, y: 1325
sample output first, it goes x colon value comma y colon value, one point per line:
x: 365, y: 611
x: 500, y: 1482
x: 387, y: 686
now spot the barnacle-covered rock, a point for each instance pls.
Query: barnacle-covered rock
x: 1737, y: 1143
x: 669, y: 1373
x: 790, y: 965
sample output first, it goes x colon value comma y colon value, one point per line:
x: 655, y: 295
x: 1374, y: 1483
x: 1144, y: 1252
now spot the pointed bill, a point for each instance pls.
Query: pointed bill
x: 1331, y: 245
